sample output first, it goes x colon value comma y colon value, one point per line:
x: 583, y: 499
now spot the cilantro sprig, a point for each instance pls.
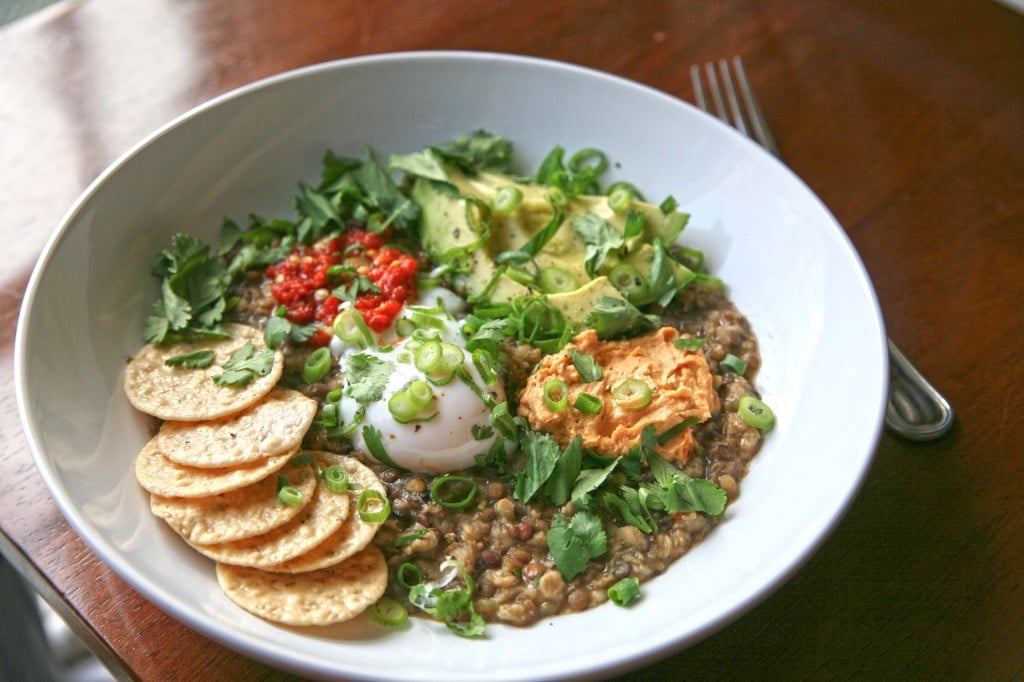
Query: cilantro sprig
x: 193, y: 290
x: 244, y: 365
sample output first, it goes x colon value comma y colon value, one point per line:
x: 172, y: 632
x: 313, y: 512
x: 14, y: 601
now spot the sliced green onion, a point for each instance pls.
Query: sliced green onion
x: 334, y: 396
x: 404, y: 326
x: 632, y: 394
x: 302, y: 460
x: 556, y: 196
x: 733, y: 364
x: 409, y: 574
x: 329, y: 415
x: 556, y: 395
x: 290, y: 495
x: 420, y: 394
x: 401, y: 407
x: 628, y: 280
x: 620, y: 199
x: 690, y: 343
x: 357, y: 419
x: 486, y: 365
x: 389, y: 612
x: 429, y: 358
x: 587, y: 403
x: 588, y: 158
x: 453, y: 492
x: 349, y: 326
x: 373, y: 506
x: 556, y: 280
x: 756, y: 413
x: 624, y: 592
x: 409, y: 538
x: 317, y: 365
x: 507, y: 198
x: 336, y: 478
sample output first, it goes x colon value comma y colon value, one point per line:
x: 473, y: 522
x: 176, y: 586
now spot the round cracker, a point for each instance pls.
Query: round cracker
x: 182, y: 394
x: 315, y: 523
x: 275, y: 424
x: 330, y: 595
x: 354, y: 535
x: 238, y: 514
x: 161, y: 476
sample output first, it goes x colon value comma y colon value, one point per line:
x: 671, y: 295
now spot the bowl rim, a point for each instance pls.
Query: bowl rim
x: 233, y: 640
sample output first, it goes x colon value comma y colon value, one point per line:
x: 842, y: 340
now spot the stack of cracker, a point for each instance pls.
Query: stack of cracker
x: 214, y: 469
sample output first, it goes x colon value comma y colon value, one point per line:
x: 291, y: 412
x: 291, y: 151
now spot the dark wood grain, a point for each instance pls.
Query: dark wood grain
x: 906, y: 118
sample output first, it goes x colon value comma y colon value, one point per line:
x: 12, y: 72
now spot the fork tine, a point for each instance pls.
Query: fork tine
x: 757, y: 119
x: 730, y: 95
x: 716, y: 93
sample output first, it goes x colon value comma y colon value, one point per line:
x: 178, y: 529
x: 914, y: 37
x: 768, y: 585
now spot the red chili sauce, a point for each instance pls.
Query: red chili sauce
x: 305, y: 280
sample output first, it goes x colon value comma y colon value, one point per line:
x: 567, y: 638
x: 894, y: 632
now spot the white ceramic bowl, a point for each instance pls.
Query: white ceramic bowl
x: 789, y: 267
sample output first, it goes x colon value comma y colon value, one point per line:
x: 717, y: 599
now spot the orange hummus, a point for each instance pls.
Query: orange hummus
x: 680, y: 382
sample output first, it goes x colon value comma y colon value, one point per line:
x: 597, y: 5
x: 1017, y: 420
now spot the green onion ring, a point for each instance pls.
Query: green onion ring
x: 580, y: 159
x: 336, y: 478
x: 733, y: 364
x: 624, y: 592
x: 389, y: 612
x: 507, y: 198
x: 369, y: 497
x: 632, y: 394
x: 628, y: 280
x: 317, y: 364
x: 620, y: 199
x: 756, y: 413
x: 411, y: 569
x: 290, y: 495
x: 587, y: 403
x: 457, y: 483
x: 556, y: 395
x: 556, y: 280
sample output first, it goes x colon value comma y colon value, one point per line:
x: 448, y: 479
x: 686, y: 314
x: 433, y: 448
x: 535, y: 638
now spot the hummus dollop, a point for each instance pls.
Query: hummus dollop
x: 680, y: 381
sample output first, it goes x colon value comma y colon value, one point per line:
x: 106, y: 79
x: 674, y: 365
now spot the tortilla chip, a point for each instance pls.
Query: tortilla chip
x: 181, y: 394
x: 238, y: 514
x: 161, y: 476
x: 275, y: 424
x: 315, y: 523
x: 330, y: 595
x: 354, y: 535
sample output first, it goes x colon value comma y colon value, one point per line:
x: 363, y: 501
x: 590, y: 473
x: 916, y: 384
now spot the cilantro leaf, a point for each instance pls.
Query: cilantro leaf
x: 244, y: 365
x: 451, y: 604
x: 382, y: 195
x: 587, y: 367
x: 613, y: 317
x: 677, y: 492
x: 199, y: 359
x: 477, y: 151
x: 600, y: 237
x: 193, y: 286
x: 542, y: 453
x: 573, y: 543
x: 367, y: 376
x: 590, y: 480
x: 559, y: 486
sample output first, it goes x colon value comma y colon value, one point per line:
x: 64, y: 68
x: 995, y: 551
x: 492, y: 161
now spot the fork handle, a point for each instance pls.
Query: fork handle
x: 916, y: 410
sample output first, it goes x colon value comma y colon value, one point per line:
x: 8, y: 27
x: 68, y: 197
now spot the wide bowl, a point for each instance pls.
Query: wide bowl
x: 788, y: 265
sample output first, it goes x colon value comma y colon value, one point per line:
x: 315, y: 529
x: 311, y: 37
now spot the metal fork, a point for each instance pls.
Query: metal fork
x: 916, y: 410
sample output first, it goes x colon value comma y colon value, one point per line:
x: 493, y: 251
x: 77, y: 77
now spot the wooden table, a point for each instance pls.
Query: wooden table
x: 907, y: 120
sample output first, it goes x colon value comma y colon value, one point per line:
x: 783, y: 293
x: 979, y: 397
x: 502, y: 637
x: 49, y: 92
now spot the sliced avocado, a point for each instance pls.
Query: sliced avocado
x: 446, y: 234
x: 577, y: 305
